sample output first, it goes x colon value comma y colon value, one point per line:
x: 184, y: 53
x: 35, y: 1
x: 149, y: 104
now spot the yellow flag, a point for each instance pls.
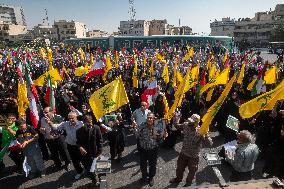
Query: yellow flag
x: 144, y: 66
x: 212, y: 72
x: 179, y: 77
x: 80, y: 71
x: 270, y: 75
x: 250, y: 86
x: 208, y: 64
x: 81, y: 54
x: 50, y: 59
x: 192, y: 78
x: 209, y: 95
x: 159, y: 57
x: 265, y: 101
x: 212, y: 111
x: 165, y: 74
x: 108, y: 67
x: 221, y: 79
x: 108, y: 98
x: 189, y: 81
x: 23, y: 101
x: 54, y: 74
x: 225, y: 58
x: 175, y: 74
x: 152, y: 71
x: 188, y: 55
x: 241, y: 75
x: 42, y: 53
x: 166, y: 110
x: 134, y: 75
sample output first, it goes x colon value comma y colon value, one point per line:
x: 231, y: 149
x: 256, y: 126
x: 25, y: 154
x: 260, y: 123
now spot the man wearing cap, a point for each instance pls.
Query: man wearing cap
x: 192, y: 144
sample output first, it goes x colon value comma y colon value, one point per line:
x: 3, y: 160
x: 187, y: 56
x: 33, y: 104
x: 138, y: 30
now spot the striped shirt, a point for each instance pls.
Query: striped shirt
x: 148, y: 138
x: 193, y: 142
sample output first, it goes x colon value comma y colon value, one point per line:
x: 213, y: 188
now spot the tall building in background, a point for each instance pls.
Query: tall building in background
x: 134, y: 28
x: 69, y: 29
x: 158, y: 27
x: 225, y: 27
x: 257, y: 31
x: 12, y: 23
x: 12, y: 15
x: 97, y: 33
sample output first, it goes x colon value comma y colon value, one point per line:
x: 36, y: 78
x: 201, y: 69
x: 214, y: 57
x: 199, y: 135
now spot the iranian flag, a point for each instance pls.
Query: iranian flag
x: 97, y: 69
x: 33, y: 98
x: 49, y: 94
x: 252, y: 58
x: 149, y: 93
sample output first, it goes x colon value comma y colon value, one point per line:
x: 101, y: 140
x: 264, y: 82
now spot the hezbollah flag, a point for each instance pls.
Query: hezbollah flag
x: 212, y: 111
x: 108, y: 66
x: 54, y: 74
x: 270, y: 75
x: 265, y: 101
x: 50, y: 59
x: 221, y: 79
x: 23, y: 101
x: 135, y: 74
x: 188, y: 55
x: 165, y: 74
x: 241, y: 75
x: 81, y: 71
x: 108, y: 98
x: 189, y: 81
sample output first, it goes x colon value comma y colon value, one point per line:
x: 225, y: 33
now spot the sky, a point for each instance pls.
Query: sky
x: 107, y: 14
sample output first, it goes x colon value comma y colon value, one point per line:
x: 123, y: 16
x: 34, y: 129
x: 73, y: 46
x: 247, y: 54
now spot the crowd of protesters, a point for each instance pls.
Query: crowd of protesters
x: 73, y: 134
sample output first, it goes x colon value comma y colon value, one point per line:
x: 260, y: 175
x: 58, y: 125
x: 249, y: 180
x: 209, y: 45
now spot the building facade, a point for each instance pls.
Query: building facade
x: 69, y: 29
x: 11, y: 32
x: 158, y: 27
x: 134, y: 28
x: 223, y: 28
x: 12, y: 15
x: 256, y: 31
x: 45, y: 31
x: 97, y: 33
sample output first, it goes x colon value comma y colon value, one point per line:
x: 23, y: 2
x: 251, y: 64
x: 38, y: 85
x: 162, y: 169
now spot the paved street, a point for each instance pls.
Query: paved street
x: 125, y: 174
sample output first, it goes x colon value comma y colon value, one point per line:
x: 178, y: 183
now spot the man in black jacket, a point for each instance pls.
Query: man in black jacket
x: 89, y: 140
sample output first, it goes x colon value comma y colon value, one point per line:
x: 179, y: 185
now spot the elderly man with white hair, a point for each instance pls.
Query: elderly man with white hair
x: 192, y: 144
x: 70, y: 127
x: 244, y: 158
